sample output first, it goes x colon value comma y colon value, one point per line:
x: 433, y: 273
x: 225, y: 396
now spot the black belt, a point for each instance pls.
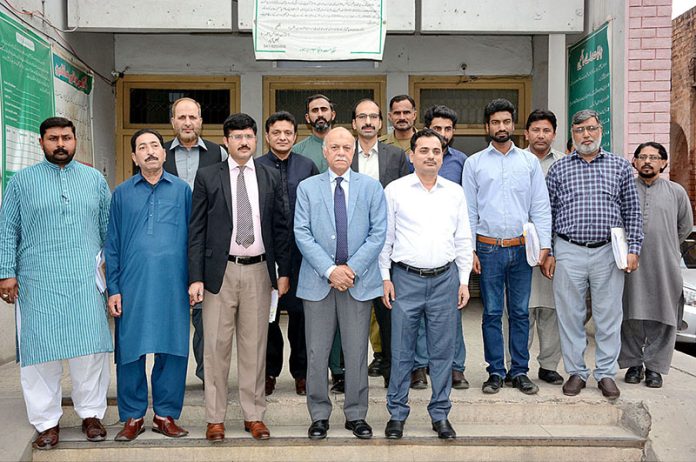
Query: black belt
x: 589, y: 245
x: 423, y: 272
x: 247, y: 260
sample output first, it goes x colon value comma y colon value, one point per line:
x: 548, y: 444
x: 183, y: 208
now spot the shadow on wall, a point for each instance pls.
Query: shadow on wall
x: 680, y: 168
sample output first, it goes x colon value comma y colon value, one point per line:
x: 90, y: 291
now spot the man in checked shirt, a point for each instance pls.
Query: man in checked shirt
x: 591, y: 191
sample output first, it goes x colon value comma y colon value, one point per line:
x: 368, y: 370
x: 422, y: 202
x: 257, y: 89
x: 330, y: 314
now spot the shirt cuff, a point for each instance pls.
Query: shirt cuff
x: 328, y: 272
x: 386, y: 276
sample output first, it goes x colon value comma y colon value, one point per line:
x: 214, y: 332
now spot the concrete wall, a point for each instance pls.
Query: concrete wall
x: 97, y: 51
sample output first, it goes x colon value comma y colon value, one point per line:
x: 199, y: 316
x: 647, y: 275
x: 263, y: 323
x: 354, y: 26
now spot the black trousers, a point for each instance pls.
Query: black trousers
x: 298, y: 348
x: 383, y: 317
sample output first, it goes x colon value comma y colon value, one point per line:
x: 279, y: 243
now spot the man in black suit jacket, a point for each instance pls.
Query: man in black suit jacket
x: 281, y: 132
x: 385, y: 163
x: 237, y: 234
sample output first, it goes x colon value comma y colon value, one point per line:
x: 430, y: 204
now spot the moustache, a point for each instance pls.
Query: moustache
x: 368, y: 126
x: 60, y: 151
x: 151, y: 157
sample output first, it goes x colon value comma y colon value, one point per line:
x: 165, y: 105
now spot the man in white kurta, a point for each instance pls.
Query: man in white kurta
x: 52, y: 226
x: 652, y: 301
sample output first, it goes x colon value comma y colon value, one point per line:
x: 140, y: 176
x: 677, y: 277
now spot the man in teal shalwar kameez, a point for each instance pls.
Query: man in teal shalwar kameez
x: 147, y: 279
x: 52, y: 226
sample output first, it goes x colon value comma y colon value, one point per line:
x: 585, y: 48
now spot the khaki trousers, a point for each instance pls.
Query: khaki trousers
x: 242, y: 305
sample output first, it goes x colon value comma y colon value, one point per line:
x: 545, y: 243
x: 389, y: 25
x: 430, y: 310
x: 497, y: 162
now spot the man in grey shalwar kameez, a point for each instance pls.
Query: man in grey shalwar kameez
x: 652, y: 301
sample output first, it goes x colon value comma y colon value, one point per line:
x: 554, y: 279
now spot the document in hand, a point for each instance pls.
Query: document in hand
x: 531, y: 243
x: 620, y: 247
x: 274, y: 306
x: 99, y: 274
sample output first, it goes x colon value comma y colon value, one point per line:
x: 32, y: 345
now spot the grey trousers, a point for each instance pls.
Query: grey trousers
x: 337, y: 309
x: 549, y: 338
x: 647, y: 342
x: 579, y: 269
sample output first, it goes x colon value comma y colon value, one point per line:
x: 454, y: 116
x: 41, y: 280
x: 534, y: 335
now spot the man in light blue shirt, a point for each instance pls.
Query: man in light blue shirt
x: 505, y: 189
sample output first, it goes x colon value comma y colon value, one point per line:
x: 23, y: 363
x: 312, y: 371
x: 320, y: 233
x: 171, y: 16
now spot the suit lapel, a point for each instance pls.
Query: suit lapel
x: 226, y: 188
x: 327, y: 196
x: 353, y: 194
x: 262, y: 185
x: 381, y: 161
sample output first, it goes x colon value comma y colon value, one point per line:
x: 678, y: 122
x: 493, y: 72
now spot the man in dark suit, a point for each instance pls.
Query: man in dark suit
x: 237, y: 234
x: 187, y: 153
x: 281, y: 132
x: 384, y: 163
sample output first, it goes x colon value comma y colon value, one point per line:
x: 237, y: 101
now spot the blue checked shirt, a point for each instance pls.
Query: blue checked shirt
x: 588, y: 199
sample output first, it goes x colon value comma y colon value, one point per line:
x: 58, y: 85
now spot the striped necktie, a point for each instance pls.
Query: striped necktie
x: 245, y: 224
x: 341, y: 223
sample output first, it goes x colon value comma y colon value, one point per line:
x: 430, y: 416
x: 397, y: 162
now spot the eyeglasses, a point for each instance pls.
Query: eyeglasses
x: 588, y: 128
x: 240, y: 137
x: 366, y: 116
x: 649, y: 157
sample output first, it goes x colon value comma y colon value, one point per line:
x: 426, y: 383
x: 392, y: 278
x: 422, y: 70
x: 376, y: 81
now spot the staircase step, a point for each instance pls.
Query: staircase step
x: 475, y: 442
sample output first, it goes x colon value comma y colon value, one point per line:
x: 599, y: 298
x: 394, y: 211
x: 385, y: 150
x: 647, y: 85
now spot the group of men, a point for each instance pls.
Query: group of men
x: 342, y: 227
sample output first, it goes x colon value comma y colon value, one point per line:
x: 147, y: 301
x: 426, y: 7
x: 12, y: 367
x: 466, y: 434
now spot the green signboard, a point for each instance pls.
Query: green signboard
x: 26, y: 86
x: 589, y: 79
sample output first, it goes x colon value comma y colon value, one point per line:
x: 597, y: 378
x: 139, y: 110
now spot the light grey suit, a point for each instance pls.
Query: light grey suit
x: 325, y: 307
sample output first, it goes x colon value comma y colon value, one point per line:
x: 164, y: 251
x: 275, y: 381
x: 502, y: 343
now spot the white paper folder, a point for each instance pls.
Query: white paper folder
x: 531, y: 244
x: 620, y: 247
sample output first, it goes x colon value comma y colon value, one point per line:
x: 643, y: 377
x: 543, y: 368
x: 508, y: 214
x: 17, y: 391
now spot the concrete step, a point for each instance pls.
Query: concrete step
x: 475, y: 442
x: 468, y: 407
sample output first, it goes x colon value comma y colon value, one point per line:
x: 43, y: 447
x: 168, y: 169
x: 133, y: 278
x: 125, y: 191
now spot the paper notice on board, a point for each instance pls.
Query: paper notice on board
x: 290, y: 29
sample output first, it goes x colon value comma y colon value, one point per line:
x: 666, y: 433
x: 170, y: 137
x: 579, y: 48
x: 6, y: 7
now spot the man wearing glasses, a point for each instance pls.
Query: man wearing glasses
x: 238, y: 233
x: 591, y: 191
x: 384, y: 163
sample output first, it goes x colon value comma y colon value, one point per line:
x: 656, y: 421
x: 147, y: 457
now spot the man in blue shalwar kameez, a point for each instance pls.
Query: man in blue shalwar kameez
x: 147, y: 280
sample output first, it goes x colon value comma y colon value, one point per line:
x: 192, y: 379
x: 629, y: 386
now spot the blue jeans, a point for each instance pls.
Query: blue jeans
x: 421, y: 359
x: 505, y: 274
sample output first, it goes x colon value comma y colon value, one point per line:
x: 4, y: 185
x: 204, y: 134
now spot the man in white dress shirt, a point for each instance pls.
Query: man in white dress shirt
x: 425, y: 266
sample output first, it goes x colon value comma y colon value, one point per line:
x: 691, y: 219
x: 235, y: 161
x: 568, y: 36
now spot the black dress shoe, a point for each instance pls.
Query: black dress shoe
x: 419, y: 381
x: 375, y: 367
x: 318, y: 429
x: 395, y: 429
x: 339, y: 383
x: 634, y: 374
x: 360, y: 428
x: 523, y: 384
x: 444, y: 430
x: 493, y: 384
x: 508, y: 378
x: 549, y: 376
x: 653, y: 379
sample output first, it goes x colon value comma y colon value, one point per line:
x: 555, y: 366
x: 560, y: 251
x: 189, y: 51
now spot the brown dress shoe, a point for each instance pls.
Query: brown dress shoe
x: 257, y: 429
x: 131, y: 430
x: 270, y: 385
x: 47, y: 439
x: 459, y: 382
x: 167, y: 427
x: 609, y: 388
x: 215, y: 432
x: 93, y: 429
x: 573, y: 385
x: 301, y: 387
x: 419, y: 381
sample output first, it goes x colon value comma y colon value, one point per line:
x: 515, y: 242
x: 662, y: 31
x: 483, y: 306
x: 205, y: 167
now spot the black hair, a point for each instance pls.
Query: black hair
x: 317, y: 96
x: 542, y: 114
x: 430, y: 133
x: 355, y: 106
x: 661, y: 149
x: 498, y: 105
x: 439, y: 111
x: 143, y: 131
x: 238, y: 121
x: 399, y: 98
x: 278, y: 116
x: 52, y: 122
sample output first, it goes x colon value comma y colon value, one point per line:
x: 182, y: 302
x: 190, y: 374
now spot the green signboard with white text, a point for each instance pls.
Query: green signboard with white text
x: 26, y: 86
x: 589, y: 79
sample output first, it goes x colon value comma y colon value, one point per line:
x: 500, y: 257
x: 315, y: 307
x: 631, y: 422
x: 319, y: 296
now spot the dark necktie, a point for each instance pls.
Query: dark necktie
x: 341, y: 223
x: 245, y: 224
